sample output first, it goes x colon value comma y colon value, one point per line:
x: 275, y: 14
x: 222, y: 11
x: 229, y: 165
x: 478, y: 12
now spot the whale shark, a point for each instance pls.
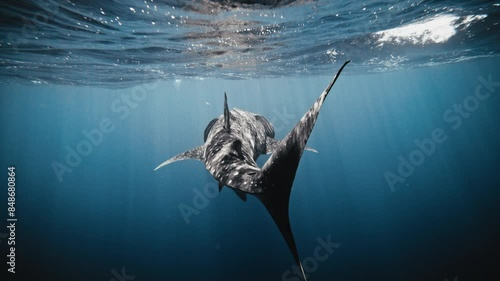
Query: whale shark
x: 232, y: 144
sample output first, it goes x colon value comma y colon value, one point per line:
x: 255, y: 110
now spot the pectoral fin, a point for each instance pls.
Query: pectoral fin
x: 242, y: 195
x: 271, y: 145
x: 195, y: 153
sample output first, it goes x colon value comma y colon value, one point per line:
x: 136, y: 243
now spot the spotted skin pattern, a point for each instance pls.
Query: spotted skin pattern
x: 235, y: 140
x: 230, y: 155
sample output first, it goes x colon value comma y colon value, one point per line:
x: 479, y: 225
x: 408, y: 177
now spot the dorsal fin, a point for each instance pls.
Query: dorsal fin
x: 227, y: 115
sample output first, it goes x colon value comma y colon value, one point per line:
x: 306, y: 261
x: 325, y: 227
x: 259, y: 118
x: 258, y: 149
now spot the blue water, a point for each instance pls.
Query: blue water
x: 90, y: 107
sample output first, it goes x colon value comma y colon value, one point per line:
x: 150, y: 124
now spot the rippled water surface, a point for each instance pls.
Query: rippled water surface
x: 121, y: 43
x: 95, y: 94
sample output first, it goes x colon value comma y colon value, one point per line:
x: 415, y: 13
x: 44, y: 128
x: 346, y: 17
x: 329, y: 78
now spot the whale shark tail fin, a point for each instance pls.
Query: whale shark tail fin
x: 278, y: 173
x: 195, y: 153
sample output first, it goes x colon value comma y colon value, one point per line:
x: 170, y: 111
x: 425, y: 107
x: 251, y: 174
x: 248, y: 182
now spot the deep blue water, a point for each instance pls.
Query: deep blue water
x: 112, y: 213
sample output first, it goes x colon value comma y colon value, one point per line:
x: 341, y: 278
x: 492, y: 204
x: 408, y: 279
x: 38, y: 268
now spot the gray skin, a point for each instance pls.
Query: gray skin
x: 235, y: 140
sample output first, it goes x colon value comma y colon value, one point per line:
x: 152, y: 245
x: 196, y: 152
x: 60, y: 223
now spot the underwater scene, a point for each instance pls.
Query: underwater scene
x: 250, y: 140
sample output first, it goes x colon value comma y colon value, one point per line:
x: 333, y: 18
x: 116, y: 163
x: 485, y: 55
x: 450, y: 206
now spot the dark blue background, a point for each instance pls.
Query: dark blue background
x: 112, y: 211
